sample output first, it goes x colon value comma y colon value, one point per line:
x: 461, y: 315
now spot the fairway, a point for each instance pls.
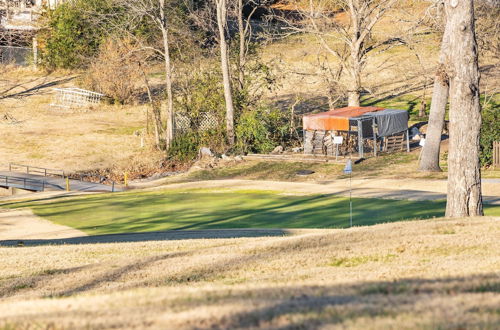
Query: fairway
x: 203, y: 209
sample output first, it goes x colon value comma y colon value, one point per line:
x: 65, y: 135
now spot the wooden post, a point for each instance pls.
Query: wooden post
x: 35, y: 52
x: 496, y: 154
x: 125, y: 179
x: 67, y: 184
x: 374, y: 138
x: 360, y: 140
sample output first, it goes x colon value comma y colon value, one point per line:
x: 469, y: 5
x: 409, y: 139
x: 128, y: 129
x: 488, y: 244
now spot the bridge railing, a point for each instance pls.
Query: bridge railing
x: 22, y: 183
x: 35, y: 170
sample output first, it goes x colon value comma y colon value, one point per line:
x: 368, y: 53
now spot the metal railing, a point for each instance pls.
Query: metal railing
x: 22, y: 183
x: 47, y: 172
x: 35, y: 170
x: 75, y: 98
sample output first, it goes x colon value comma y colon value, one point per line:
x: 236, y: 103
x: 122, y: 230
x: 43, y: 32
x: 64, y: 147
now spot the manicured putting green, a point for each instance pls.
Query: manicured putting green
x: 198, y: 209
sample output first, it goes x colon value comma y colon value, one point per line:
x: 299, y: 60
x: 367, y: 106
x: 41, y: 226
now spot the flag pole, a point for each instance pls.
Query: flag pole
x: 348, y: 170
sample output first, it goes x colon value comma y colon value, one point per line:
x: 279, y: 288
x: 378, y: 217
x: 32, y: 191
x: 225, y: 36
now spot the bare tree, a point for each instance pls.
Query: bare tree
x: 156, y: 11
x: 242, y: 33
x: 245, y: 36
x: 354, y: 35
x: 464, y: 173
x: 221, y: 11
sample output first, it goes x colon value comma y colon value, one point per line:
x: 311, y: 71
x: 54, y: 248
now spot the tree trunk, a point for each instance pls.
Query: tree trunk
x: 221, y: 23
x: 464, y: 173
x: 354, y: 93
x: 354, y: 85
x: 241, y: 59
x: 429, y: 162
x: 169, y: 132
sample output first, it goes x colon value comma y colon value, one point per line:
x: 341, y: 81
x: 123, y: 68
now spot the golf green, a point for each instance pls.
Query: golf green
x: 202, y: 209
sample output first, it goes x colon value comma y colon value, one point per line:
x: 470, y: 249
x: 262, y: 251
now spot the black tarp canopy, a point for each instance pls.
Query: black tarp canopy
x: 389, y: 122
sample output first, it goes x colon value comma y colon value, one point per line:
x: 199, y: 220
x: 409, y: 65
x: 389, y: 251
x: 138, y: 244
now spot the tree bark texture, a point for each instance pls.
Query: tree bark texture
x: 222, y: 24
x: 464, y: 174
x: 169, y: 131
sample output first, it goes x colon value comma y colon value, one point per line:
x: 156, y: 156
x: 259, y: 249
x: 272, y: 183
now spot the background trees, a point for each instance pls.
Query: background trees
x: 194, y: 42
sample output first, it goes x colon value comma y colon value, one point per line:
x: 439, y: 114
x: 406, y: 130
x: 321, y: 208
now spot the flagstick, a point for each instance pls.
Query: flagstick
x: 348, y: 170
x: 350, y: 198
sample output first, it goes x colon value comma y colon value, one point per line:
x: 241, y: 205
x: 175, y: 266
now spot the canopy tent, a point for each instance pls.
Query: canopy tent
x: 335, y: 120
x: 361, y: 123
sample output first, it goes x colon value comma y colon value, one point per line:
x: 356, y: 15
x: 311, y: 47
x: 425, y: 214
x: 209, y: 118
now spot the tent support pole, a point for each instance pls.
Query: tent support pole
x: 360, y: 140
x: 407, y: 140
x: 374, y: 138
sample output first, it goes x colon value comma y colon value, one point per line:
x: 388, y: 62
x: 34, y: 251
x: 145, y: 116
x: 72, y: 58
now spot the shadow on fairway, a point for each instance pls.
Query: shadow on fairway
x: 152, y: 236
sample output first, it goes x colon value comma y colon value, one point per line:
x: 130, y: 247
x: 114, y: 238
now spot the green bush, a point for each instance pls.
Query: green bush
x: 198, y: 92
x: 73, y: 32
x: 184, y: 147
x: 261, y: 130
x: 490, y: 131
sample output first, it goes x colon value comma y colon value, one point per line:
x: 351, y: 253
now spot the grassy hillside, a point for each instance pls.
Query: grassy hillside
x: 423, y: 274
x: 216, y: 209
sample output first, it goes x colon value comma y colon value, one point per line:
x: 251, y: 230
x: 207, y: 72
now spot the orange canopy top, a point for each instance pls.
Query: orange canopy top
x: 337, y: 119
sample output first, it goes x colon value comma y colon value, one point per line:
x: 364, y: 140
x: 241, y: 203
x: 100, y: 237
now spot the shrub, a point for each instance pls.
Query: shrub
x: 262, y: 129
x: 115, y: 71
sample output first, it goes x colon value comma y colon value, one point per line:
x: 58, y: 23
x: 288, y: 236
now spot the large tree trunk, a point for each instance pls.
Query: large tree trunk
x: 354, y: 93
x: 429, y: 161
x: 169, y: 132
x: 221, y: 23
x: 464, y: 174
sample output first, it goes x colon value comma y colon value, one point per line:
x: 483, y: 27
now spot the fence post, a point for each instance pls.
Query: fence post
x: 125, y: 179
x: 35, y: 52
x: 67, y: 184
x: 496, y: 154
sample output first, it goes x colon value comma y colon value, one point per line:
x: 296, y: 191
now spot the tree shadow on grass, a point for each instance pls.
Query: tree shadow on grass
x: 441, y: 302
x: 336, y: 304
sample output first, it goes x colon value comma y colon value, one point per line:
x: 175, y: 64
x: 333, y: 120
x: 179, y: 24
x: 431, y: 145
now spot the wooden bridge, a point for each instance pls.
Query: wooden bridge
x: 43, y: 179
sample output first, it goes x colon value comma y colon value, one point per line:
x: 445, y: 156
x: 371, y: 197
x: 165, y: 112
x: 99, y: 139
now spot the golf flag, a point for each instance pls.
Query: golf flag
x: 348, y: 167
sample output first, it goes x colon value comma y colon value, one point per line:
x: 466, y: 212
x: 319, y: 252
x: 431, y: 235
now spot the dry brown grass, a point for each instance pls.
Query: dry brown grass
x: 57, y: 138
x: 422, y: 274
